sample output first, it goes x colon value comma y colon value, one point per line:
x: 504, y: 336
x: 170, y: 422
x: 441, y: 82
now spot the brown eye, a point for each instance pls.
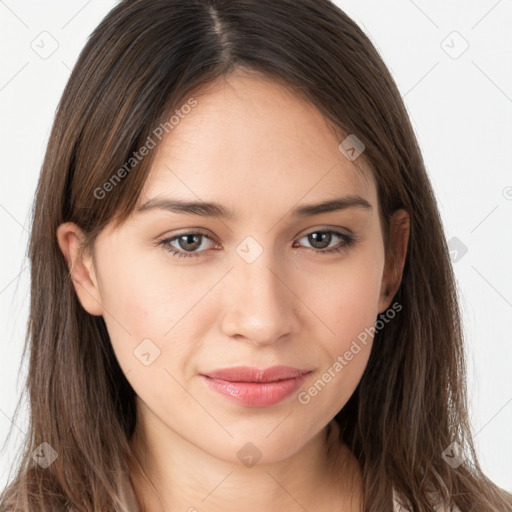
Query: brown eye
x: 185, y: 244
x: 320, y: 241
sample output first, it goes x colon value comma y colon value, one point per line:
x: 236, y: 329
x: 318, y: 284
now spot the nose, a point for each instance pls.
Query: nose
x: 259, y: 304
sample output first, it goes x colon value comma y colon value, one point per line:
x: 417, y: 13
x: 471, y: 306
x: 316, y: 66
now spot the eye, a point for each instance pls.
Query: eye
x: 189, y: 243
x: 321, y: 240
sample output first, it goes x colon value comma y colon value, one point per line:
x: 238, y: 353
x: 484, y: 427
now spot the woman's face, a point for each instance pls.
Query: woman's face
x: 248, y: 289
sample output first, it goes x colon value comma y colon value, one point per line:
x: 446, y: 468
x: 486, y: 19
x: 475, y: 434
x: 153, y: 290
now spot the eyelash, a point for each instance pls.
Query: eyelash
x: 348, y: 242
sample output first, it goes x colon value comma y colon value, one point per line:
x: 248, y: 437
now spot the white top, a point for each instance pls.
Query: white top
x: 129, y: 501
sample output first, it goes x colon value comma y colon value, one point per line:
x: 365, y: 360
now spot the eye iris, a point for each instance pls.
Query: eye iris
x: 190, y: 245
x: 322, y: 235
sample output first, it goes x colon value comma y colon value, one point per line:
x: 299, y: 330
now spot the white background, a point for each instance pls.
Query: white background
x: 461, y: 110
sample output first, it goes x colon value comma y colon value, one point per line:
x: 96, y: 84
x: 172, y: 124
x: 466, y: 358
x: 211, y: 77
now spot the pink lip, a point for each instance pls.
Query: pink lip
x: 254, y: 387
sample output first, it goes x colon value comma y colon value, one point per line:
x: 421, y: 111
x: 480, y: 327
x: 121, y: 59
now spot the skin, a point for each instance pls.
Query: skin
x: 255, y: 147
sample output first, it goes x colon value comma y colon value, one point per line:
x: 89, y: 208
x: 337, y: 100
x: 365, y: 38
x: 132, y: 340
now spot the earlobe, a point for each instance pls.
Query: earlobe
x: 81, y: 267
x: 399, y: 230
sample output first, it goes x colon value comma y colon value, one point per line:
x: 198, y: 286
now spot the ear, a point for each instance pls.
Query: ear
x: 81, y: 267
x: 395, y: 257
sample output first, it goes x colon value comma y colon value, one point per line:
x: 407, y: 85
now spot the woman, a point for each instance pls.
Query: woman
x: 242, y: 296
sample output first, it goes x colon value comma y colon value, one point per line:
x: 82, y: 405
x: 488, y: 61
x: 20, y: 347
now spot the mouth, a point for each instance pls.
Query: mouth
x: 253, y: 387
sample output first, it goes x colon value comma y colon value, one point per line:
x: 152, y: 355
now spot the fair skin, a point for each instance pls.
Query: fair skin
x: 259, y: 150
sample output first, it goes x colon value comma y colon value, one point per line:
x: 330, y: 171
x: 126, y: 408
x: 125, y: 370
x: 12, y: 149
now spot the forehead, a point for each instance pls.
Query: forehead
x: 252, y: 141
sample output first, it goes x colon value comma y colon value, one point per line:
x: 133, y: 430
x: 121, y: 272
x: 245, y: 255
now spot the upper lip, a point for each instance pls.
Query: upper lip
x: 252, y: 374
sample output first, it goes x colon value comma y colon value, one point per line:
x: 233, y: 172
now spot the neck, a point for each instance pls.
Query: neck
x: 321, y: 475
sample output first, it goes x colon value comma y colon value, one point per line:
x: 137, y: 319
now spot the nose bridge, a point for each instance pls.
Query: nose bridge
x: 260, y: 306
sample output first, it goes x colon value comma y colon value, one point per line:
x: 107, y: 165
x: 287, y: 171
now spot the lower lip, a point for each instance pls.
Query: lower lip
x: 255, y: 394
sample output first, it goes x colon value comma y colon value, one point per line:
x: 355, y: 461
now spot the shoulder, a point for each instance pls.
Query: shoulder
x: 399, y: 506
x: 127, y: 495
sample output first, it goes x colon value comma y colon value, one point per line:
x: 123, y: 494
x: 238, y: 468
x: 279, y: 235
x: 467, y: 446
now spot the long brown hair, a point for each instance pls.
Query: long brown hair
x: 139, y: 66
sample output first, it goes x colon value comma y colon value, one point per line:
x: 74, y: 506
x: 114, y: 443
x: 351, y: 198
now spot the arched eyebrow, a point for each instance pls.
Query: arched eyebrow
x: 216, y: 210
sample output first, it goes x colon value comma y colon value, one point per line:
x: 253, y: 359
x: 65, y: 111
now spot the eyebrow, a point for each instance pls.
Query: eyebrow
x: 216, y: 210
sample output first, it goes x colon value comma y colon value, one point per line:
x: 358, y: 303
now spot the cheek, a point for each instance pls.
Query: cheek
x: 346, y: 302
x: 344, y: 353
x: 151, y: 353
x: 138, y: 305
x: 345, y: 297
x: 357, y: 304
x: 153, y: 311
